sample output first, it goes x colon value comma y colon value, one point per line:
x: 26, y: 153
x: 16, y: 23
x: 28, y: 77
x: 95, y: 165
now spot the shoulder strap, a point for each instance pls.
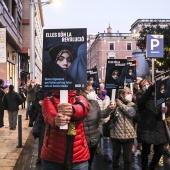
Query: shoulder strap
x: 52, y: 99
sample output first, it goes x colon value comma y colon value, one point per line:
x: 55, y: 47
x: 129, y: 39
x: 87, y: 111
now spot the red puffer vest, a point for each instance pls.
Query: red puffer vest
x: 54, y: 144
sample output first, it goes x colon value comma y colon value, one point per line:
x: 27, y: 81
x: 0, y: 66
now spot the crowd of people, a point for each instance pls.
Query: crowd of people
x: 136, y: 118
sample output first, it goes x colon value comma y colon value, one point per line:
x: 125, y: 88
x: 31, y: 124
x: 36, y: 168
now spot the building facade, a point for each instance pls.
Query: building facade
x: 15, y: 41
x: 39, y: 23
x: 136, y: 27
x: 10, y: 39
x: 108, y: 45
x: 119, y: 46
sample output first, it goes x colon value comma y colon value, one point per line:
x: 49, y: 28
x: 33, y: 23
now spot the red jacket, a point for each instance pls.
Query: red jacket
x: 54, y: 144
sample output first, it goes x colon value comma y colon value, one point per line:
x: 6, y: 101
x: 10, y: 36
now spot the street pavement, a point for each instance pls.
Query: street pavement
x: 30, y: 151
x: 10, y: 146
x: 24, y: 158
x: 98, y: 164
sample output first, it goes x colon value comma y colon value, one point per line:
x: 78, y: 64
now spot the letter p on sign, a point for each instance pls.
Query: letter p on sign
x: 154, y: 43
x: 155, y: 46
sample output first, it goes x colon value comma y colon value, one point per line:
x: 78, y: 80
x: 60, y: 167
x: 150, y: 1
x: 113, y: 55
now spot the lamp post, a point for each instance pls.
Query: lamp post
x: 32, y: 36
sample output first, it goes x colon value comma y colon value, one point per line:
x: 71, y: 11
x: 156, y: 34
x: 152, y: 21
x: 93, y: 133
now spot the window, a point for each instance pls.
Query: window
x: 19, y: 22
x: 14, y: 10
x: 129, y: 46
x: 111, y: 46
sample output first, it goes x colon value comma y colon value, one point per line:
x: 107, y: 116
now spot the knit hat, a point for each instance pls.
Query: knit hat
x: 56, y: 51
x: 11, y: 87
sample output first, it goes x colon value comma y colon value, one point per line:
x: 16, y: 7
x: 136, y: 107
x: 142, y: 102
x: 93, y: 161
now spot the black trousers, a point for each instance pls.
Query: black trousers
x: 92, y: 151
x: 126, y: 145
x: 158, y: 152
x: 1, y: 116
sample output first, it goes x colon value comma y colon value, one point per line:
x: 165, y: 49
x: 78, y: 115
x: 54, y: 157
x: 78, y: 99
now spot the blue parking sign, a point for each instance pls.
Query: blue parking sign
x: 155, y: 46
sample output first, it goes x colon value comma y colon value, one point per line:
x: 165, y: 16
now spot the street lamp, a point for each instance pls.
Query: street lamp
x: 32, y: 35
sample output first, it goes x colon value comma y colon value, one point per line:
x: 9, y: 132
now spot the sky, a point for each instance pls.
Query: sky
x: 96, y: 15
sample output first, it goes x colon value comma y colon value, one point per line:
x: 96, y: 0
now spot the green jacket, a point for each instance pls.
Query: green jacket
x: 30, y: 93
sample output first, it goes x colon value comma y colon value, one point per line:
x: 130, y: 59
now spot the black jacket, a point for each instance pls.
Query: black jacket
x: 2, y: 93
x: 12, y: 100
x: 150, y: 127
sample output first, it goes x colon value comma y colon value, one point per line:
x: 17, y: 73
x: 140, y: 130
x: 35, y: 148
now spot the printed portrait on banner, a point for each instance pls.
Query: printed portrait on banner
x: 115, y: 73
x: 92, y: 76
x: 162, y: 87
x: 130, y: 71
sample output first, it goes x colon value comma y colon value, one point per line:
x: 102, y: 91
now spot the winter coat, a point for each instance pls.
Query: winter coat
x: 30, y: 93
x: 2, y: 93
x: 12, y: 100
x: 123, y: 128
x: 39, y: 124
x: 23, y: 93
x: 92, y: 120
x: 55, y: 141
x: 150, y: 127
x: 103, y: 105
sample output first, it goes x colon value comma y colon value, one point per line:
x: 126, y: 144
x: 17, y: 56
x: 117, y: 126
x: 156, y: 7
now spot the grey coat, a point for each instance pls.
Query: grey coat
x: 92, y: 120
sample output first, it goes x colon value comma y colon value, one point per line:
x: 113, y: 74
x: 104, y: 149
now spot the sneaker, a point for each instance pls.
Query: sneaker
x: 26, y: 118
x: 161, y: 161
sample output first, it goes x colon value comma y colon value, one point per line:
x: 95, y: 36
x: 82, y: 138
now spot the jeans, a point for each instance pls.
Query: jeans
x: 28, y: 107
x: 106, y: 146
x: 56, y: 166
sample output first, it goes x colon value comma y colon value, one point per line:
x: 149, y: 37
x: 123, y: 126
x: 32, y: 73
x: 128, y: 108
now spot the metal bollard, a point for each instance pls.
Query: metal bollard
x: 19, y: 131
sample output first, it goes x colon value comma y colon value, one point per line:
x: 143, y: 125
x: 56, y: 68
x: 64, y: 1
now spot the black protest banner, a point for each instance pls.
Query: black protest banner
x: 115, y: 73
x: 162, y: 88
x: 64, y: 64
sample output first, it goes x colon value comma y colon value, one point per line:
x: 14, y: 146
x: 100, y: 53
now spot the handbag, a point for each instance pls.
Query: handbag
x: 37, y: 127
x: 167, y: 130
x: 113, y: 119
x: 106, y: 129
